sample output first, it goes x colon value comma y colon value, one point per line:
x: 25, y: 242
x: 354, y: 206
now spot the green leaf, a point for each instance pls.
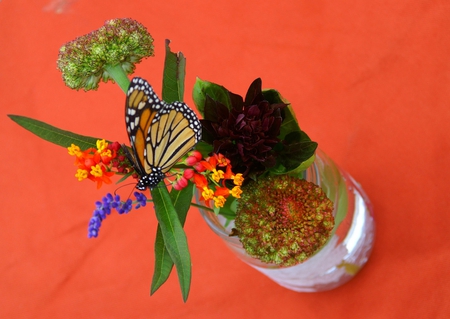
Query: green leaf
x: 295, y: 154
x: 171, y: 243
x: 53, y: 134
x: 204, y: 148
x: 214, y: 91
x: 290, y: 123
x: 229, y: 209
x: 163, y: 262
x: 173, y: 76
x: 294, y: 151
x: 303, y: 166
x: 297, y: 151
x: 174, y: 236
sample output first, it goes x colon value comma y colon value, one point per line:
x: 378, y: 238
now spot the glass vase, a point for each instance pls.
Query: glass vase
x: 345, y: 253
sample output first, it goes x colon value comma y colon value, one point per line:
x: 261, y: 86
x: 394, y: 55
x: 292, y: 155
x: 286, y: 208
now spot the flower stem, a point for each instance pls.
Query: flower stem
x: 202, y: 207
x: 119, y: 76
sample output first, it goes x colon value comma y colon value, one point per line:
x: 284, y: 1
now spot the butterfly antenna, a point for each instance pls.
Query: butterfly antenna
x: 168, y: 184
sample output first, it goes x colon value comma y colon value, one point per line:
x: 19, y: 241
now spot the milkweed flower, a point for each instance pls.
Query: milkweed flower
x: 181, y: 183
x: 188, y: 173
x: 97, y: 164
x: 214, y: 178
x: 283, y: 219
x: 236, y: 191
x: 219, y: 201
x: 238, y: 179
x: 193, y: 158
x: 90, y: 58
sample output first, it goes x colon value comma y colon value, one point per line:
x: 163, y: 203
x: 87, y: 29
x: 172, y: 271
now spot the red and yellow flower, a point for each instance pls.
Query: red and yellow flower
x: 97, y: 163
x: 213, y: 178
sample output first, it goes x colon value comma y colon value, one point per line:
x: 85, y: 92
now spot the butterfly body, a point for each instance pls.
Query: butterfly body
x: 160, y: 133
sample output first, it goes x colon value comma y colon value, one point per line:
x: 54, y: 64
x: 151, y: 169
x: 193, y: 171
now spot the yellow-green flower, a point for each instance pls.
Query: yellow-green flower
x: 90, y: 58
x: 283, y: 219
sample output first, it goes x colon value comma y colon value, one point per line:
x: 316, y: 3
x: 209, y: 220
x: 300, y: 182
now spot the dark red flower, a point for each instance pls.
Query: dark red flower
x: 247, y: 132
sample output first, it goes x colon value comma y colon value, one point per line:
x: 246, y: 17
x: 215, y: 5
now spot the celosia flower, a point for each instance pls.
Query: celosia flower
x: 103, y: 208
x: 90, y: 58
x: 283, y: 219
x: 247, y: 133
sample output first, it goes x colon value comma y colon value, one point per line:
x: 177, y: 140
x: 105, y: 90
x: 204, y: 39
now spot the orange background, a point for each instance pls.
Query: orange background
x: 369, y: 80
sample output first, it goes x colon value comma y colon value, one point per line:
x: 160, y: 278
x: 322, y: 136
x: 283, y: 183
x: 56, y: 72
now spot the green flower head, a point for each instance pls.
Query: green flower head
x: 89, y: 58
x: 283, y: 220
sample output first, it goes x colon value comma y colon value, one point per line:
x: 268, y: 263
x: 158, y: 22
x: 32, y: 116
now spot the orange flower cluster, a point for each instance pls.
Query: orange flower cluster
x: 210, y: 176
x: 95, y: 163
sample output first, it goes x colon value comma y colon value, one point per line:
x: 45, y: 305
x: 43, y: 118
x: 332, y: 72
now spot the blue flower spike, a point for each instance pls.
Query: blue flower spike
x: 109, y: 202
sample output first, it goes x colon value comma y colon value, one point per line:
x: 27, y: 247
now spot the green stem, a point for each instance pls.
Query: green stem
x: 119, y: 76
x: 202, y: 207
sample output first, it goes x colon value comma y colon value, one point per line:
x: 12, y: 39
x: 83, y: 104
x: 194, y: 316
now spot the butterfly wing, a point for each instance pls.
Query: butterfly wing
x: 160, y: 133
x: 172, y: 135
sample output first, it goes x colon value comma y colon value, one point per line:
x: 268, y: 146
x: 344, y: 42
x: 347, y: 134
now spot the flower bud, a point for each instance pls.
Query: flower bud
x: 188, y: 173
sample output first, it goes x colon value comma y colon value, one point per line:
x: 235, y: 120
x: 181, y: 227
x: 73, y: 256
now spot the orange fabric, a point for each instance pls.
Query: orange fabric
x: 369, y: 80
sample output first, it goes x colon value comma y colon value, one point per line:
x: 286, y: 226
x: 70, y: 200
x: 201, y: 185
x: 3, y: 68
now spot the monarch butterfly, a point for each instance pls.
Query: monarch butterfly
x: 160, y: 133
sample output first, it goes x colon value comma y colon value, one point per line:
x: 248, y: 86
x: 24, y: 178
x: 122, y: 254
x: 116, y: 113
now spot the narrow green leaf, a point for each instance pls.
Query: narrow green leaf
x: 163, y: 262
x: 173, y: 76
x: 53, y: 134
x: 171, y: 243
x: 174, y: 236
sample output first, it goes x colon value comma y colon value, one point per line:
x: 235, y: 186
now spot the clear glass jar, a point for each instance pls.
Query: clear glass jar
x: 348, y: 248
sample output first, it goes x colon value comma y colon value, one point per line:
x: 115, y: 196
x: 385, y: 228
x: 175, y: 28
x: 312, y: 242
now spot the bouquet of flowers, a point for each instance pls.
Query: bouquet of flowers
x: 244, y: 159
